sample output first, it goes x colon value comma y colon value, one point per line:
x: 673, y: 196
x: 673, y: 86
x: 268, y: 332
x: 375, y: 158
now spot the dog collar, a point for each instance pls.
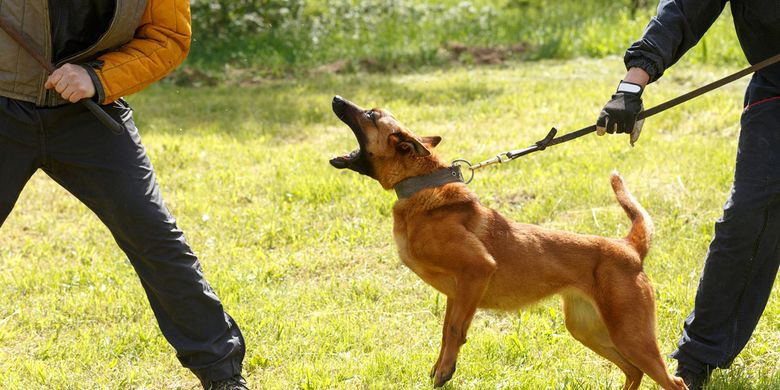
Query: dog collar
x: 409, y: 186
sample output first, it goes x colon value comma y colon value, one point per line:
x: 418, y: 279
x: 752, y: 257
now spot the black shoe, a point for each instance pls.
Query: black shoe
x: 236, y: 382
x: 694, y: 380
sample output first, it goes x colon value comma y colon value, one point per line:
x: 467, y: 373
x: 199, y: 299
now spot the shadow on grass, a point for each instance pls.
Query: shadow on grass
x: 285, y: 109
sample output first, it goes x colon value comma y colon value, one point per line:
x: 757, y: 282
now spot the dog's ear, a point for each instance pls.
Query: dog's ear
x: 431, y: 141
x: 406, y: 144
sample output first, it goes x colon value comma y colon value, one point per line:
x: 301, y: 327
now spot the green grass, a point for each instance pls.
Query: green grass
x: 302, y: 255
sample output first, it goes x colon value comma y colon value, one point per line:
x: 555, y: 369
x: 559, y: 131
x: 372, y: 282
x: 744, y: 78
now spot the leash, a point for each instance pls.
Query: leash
x: 27, y: 45
x: 551, y: 140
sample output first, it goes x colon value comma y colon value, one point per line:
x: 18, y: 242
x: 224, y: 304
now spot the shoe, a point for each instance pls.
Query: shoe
x: 694, y: 380
x: 235, y: 382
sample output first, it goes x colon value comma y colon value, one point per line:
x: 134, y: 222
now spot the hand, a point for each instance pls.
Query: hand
x: 619, y: 114
x: 72, y: 82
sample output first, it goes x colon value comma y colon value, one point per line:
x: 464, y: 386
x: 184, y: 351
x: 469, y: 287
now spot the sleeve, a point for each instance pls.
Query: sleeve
x: 160, y: 44
x: 677, y: 27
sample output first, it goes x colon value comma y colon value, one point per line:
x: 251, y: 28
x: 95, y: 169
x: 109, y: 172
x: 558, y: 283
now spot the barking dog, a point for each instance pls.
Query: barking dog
x: 478, y: 258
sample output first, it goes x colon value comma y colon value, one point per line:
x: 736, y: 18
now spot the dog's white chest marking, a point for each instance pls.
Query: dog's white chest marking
x: 403, y: 250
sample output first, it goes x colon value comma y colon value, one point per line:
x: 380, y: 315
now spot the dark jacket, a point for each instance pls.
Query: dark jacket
x: 680, y: 24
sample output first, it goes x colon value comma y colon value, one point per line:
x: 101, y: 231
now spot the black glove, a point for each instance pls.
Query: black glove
x: 619, y: 114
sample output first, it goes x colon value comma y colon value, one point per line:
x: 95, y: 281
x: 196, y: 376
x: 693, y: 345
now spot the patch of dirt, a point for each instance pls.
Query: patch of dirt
x: 372, y: 65
x: 187, y: 76
x: 454, y: 53
x: 245, y: 77
x: 483, y: 55
x: 334, y: 67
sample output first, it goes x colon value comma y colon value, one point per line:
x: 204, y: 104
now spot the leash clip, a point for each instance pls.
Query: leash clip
x: 499, y: 159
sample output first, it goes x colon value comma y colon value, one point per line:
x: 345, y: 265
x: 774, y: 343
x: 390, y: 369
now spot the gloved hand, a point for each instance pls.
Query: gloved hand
x: 619, y: 114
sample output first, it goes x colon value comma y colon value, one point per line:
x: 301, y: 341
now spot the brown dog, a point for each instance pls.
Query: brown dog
x: 477, y: 258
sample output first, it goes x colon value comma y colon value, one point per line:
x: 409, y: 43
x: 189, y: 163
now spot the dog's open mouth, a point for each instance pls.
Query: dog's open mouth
x: 346, y: 160
x: 354, y: 160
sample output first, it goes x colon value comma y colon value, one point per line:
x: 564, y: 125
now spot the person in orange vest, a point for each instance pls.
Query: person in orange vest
x: 104, y: 50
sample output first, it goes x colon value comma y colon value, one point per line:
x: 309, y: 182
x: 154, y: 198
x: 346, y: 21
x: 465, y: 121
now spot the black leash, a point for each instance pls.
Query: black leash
x: 551, y: 140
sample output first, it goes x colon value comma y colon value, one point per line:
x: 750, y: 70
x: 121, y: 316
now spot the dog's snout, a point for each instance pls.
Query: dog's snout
x: 341, y: 106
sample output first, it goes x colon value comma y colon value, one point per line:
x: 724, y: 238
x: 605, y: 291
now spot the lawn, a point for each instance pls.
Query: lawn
x: 302, y: 255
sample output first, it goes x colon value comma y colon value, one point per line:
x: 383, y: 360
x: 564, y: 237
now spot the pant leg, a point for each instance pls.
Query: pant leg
x: 19, y: 151
x: 113, y: 176
x: 742, y: 261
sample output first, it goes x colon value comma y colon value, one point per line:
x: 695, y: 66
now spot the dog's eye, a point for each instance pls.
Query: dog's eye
x: 371, y: 115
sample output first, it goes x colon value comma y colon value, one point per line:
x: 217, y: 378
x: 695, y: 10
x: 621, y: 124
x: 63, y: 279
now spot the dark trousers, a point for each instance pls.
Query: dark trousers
x: 112, y: 175
x: 743, y: 257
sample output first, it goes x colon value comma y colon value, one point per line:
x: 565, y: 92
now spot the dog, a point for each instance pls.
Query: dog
x: 479, y: 259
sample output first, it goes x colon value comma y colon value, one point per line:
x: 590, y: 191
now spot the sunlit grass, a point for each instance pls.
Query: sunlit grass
x: 302, y: 256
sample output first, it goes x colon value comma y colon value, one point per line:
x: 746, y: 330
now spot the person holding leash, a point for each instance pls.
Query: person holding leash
x: 104, y: 50
x: 742, y: 260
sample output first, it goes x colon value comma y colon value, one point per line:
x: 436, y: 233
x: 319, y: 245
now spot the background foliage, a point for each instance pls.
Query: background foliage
x: 277, y: 37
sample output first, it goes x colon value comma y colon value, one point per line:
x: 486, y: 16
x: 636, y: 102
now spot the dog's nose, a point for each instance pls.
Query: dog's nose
x: 338, y: 100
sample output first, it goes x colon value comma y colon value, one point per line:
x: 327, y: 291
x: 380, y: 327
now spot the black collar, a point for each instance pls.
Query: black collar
x: 409, y: 186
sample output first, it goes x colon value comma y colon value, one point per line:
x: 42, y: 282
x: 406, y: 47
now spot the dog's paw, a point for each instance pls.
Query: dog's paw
x: 442, y: 376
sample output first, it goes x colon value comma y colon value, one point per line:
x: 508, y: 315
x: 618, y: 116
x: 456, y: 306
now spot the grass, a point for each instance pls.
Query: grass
x: 302, y: 256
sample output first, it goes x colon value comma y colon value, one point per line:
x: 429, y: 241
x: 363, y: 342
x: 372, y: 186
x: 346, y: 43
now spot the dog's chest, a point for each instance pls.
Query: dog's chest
x: 401, y: 244
x: 436, y: 280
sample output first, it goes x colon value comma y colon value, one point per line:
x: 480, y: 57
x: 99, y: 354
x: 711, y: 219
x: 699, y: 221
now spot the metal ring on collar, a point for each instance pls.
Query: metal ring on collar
x: 461, y: 162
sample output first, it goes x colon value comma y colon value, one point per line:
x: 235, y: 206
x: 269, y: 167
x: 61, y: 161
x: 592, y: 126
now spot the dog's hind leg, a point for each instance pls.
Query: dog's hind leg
x: 586, y: 326
x: 628, y: 309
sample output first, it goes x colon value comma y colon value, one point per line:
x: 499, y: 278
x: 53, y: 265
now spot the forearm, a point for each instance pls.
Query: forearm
x: 678, y: 26
x: 637, y: 76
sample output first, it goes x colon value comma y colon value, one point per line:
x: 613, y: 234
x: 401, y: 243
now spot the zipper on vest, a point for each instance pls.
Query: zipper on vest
x: 43, y: 95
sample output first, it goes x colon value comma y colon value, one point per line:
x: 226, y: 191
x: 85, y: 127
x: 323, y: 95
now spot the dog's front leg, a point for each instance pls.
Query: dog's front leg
x: 443, y: 336
x: 468, y: 293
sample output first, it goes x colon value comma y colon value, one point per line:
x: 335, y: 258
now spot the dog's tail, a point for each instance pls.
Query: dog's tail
x: 642, y: 226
